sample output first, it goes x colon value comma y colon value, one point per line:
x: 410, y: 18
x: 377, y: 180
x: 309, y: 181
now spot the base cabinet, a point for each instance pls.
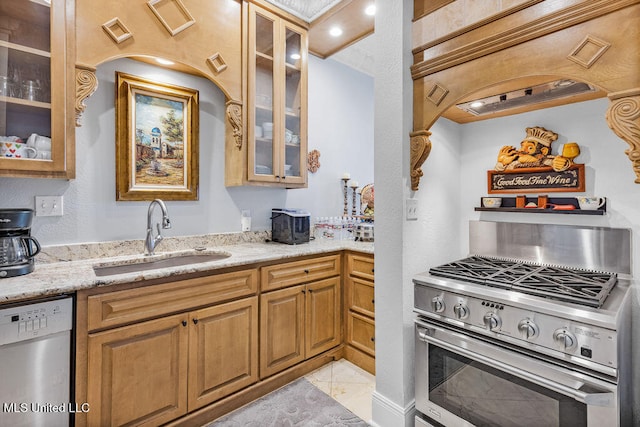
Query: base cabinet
x: 138, y: 374
x: 299, y: 322
x: 360, y: 311
x: 155, y: 371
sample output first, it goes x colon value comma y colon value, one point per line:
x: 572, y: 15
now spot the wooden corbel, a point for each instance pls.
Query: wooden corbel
x: 86, y: 85
x: 420, y: 149
x: 623, y: 117
x: 234, y: 115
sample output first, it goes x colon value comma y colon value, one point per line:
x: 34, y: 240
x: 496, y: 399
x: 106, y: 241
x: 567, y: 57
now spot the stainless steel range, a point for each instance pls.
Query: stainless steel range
x: 533, y: 329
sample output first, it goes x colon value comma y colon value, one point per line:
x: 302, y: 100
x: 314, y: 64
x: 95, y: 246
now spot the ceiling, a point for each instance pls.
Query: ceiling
x: 324, y: 15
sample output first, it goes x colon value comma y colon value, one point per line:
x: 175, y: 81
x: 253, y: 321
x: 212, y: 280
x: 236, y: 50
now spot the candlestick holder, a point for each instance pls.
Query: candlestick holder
x: 345, y: 211
x: 354, y: 189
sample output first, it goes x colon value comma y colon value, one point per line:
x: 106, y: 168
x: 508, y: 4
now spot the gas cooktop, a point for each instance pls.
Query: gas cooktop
x: 577, y: 286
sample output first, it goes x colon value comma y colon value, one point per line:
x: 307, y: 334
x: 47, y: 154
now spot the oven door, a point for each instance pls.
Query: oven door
x: 466, y: 381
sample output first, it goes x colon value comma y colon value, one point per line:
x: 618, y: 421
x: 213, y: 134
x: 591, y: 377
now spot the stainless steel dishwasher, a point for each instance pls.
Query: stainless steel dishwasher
x: 35, y: 363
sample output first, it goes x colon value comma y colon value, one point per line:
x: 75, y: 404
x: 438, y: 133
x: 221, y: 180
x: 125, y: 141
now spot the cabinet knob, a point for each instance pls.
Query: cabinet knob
x: 184, y: 323
x: 373, y: 301
x: 306, y: 271
x: 195, y: 321
x: 373, y: 270
x: 373, y: 339
x: 304, y: 292
x: 310, y: 290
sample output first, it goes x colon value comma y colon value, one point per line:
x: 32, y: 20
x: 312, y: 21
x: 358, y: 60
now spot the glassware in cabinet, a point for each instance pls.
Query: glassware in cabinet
x: 33, y: 128
x: 277, y: 100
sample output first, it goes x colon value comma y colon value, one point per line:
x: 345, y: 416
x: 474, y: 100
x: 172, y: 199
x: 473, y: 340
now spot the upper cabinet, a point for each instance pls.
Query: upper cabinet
x: 276, y: 104
x: 36, y: 89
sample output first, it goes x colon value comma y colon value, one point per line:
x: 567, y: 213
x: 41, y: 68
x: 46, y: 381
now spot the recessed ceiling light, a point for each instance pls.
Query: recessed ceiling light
x: 294, y: 56
x: 164, y: 61
x: 335, y: 31
x: 370, y: 10
x: 476, y: 104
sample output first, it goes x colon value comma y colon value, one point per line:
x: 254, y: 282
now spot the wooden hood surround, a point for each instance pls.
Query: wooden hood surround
x: 204, y: 37
x: 593, y: 41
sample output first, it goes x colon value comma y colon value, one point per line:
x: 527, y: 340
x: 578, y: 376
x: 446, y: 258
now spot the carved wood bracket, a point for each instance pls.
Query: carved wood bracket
x: 420, y: 149
x: 623, y: 117
x: 86, y: 85
x: 234, y: 115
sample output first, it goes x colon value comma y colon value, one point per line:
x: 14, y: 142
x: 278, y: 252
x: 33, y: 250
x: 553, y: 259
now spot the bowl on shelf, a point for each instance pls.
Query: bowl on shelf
x: 492, y: 202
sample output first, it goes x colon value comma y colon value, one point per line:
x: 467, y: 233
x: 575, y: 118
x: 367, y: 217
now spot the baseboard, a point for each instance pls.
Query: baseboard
x: 386, y: 413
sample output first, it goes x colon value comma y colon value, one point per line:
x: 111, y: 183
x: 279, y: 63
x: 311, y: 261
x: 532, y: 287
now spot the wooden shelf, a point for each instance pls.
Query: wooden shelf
x: 509, y: 205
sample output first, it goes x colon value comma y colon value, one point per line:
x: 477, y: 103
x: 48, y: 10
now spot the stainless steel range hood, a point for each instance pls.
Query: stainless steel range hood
x: 526, y: 96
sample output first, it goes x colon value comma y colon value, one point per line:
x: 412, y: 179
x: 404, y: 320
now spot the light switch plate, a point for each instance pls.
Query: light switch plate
x: 412, y: 209
x: 246, y: 220
x: 49, y: 206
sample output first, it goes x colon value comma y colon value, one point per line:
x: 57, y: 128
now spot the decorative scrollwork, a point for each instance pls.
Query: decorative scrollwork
x: 623, y: 117
x: 234, y: 115
x: 420, y: 149
x: 86, y: 85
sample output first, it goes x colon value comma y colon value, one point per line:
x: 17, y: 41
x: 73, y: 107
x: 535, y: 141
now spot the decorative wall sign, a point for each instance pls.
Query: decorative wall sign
x: 534, y: 180
x: 156, y: 140
x: 533, y: 168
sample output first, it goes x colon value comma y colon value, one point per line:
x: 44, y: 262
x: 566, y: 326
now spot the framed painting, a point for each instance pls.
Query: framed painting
x: 156, y: 140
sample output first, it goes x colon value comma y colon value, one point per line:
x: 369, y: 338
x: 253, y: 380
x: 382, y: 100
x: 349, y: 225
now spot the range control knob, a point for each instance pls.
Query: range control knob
x: 565, y: 339
x: 461, y: 310
x: 528, y: 329
x: 492, y: 321
x: 437, y: 303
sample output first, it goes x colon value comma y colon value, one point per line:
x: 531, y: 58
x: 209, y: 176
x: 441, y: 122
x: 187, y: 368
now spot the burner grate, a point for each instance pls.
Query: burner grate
x: 572, y: 285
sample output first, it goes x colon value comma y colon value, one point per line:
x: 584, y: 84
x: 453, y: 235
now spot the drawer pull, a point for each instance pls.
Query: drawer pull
x: 195, y: 321
x: 184, y: 323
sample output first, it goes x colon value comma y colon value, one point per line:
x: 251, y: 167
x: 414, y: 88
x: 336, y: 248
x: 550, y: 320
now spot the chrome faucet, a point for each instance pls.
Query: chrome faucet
x: 151, y: 242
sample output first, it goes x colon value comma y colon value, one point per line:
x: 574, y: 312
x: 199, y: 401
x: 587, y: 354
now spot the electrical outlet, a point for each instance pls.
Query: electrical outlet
x: 412, y: 209
x: 246, y: 220
x: 48, y: 205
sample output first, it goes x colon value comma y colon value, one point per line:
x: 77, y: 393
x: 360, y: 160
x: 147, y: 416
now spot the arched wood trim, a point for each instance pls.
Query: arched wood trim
x: 597, y: 46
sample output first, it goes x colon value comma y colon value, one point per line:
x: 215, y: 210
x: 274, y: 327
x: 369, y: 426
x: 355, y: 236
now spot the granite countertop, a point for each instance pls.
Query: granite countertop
x: 66, y: 269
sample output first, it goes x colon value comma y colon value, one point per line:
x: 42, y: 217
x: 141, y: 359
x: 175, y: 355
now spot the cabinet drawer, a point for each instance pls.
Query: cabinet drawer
x: 361, y: 296
x: 360, y: 266
x: 293, y: 273
x: 120, y: 307
x: 362, y: 333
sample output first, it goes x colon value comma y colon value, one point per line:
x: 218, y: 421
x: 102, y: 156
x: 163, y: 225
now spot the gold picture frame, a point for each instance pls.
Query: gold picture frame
x: 157, y: 132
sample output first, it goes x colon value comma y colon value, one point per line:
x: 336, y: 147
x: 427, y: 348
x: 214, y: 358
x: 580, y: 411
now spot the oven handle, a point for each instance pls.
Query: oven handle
x: 592, y: 399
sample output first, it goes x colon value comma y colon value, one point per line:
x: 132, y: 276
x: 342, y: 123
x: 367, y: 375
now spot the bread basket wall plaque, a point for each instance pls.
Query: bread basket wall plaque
x: 532, y: 167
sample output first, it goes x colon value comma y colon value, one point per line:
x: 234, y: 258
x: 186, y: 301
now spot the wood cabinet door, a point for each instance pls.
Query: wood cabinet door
x: 361, y: 296
x: 361, y: 333
x: 281, y: 329
x: 138, y: 374
x: 361, y: 266
x: 223, y: 350
x: 322, y: 316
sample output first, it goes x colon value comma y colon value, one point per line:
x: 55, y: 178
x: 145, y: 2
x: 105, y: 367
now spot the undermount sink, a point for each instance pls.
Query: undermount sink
x: 156, y: 262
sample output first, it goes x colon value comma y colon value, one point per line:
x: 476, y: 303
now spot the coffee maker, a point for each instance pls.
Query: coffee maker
x: 17, y: 247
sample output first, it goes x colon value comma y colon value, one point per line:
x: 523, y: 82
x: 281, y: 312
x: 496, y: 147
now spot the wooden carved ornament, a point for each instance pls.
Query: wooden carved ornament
x: 420, y: 149
x: 623, y: 117
x: 234, y: 115
x: 86, y: 85
x: 313, y: 161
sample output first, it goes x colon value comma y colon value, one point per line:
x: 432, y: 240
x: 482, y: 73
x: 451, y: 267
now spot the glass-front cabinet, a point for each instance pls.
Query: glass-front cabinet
x: 277, y: 100
x: 34, y: 137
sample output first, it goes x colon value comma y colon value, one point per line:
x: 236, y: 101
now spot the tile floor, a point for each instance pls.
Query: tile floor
x: 350, y: 385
